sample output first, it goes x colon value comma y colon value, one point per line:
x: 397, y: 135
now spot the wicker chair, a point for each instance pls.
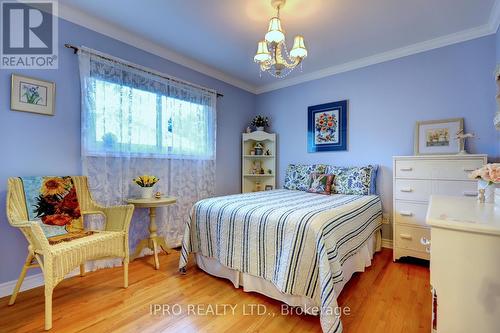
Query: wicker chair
x: 59, y: 259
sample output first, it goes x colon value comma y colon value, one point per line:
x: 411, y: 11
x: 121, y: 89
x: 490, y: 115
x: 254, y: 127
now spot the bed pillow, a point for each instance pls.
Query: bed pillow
x: 354, y: 180
x: 298, y: 175
x: 320, y: 183
x: 373, y: 180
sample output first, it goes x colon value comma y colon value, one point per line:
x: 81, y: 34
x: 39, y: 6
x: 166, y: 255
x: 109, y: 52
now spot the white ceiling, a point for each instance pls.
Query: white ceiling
x: 219, y: 37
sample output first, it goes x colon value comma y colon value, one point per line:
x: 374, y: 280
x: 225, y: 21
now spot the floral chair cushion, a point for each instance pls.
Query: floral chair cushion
x: 354, y: 180
x: 297, y: 176
x: 320, y: 183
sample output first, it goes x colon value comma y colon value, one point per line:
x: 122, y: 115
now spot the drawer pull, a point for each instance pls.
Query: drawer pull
x: 470, y: 193
x: 406, y: 213
x: 428, y: 249
x: 405, y: 236
x: 407, y: 190
x: 406, y: 169
x: 424, y: 241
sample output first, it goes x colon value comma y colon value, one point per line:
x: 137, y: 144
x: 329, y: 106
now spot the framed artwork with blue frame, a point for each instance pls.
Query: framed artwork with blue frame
x: 327, y: 127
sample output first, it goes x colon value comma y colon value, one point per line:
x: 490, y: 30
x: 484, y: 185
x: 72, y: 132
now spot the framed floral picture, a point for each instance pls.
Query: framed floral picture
x: 327, y: 127
x: 32, y: 95
x: 438, y: 136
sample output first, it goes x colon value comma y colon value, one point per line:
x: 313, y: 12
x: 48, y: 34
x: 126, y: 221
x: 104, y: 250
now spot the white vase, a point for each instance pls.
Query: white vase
x: 146, y: 192
x: 497, y: 196
x: 489, y: 191
x: 260, y: 128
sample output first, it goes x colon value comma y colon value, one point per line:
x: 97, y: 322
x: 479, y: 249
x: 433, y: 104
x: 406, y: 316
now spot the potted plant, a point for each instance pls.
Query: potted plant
x: 488, y: 176
x: 260, y: 122
x: 146, y: 183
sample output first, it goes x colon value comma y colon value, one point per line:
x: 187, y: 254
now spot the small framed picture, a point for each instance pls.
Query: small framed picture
x: 32, y: 95
x: 438, y: 136
x: 269, y: 187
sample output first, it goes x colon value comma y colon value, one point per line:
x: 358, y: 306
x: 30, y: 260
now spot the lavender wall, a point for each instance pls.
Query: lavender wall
x: 497, y: 42
x: 385, y: 101
x: 39, y: 145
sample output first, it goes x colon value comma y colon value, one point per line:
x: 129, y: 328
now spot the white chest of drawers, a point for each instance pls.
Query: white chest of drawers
x: 415, y: 179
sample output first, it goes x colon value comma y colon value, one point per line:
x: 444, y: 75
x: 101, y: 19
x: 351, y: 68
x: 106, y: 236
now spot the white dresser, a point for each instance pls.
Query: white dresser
x: 465, y: 266
x: 415, y: 179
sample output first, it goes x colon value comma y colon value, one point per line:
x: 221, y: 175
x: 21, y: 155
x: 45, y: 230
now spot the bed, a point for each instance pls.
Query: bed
x: 298, y: 247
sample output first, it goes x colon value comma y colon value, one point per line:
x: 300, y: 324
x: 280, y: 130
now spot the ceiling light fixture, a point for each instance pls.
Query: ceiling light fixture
x: 272, y: 54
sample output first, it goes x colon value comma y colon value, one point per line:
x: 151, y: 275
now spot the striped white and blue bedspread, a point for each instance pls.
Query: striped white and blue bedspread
x: 294, y: 239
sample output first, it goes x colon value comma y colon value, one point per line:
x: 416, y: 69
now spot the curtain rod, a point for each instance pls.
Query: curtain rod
x: 76, y: 49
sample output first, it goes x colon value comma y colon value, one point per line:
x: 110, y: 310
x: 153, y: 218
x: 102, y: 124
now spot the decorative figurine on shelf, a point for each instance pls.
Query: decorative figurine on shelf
x: 268, y: 152
x: 269, y: 171
x: 158, y: 195
x: 462, y: 136
x: 256, y: 168
x: 252, y: 152
x: 248, y: 130
x: 481, y: 196
x: 259, y: 148
x: 260, y: 122
x: 146, y: 182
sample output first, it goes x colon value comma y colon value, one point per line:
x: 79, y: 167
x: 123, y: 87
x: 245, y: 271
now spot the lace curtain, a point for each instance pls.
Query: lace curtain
x: 135, y: 122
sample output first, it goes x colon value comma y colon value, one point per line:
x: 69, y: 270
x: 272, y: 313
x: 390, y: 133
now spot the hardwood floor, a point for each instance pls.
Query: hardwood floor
x: 387, y: 297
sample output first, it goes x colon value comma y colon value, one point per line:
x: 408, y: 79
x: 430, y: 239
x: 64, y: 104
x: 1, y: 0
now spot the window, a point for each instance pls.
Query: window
x: 144, y: 116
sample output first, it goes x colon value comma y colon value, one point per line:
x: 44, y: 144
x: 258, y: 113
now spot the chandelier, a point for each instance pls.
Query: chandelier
x: 272, y: 54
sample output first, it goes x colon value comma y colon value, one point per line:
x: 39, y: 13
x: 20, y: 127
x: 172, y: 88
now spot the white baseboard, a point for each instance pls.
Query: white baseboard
x: 30, y: 282
x: 387, y: 243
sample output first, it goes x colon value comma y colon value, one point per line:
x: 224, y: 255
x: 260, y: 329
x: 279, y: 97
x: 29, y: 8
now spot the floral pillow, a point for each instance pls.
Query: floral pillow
x: 354, y: 180
x: 320, y: 183
x: 297, y: 176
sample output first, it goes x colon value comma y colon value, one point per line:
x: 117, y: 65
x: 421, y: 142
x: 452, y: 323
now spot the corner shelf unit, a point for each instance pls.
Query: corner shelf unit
x: 251, y: 178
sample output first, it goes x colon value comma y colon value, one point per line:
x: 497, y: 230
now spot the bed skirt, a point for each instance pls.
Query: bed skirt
x: 250, y: 283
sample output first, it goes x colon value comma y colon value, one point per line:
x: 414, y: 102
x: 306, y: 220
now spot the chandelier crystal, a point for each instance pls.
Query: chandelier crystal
x: 272, y: 53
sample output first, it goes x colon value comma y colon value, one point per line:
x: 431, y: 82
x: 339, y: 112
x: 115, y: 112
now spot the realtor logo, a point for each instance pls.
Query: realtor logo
x: 28, y: 35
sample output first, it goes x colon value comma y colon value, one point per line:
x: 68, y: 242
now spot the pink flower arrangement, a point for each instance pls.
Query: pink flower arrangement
x: 489, y: 173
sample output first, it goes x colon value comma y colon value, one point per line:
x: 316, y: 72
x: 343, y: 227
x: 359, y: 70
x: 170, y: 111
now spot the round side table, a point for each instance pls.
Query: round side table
x: 154, y: 241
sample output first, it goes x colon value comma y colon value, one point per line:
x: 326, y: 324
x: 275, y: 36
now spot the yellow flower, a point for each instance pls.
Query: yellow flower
x: 53, y: 186
x: 146, y: 180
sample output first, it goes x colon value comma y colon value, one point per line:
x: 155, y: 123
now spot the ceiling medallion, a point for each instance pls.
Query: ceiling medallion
x: 272, y: 54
